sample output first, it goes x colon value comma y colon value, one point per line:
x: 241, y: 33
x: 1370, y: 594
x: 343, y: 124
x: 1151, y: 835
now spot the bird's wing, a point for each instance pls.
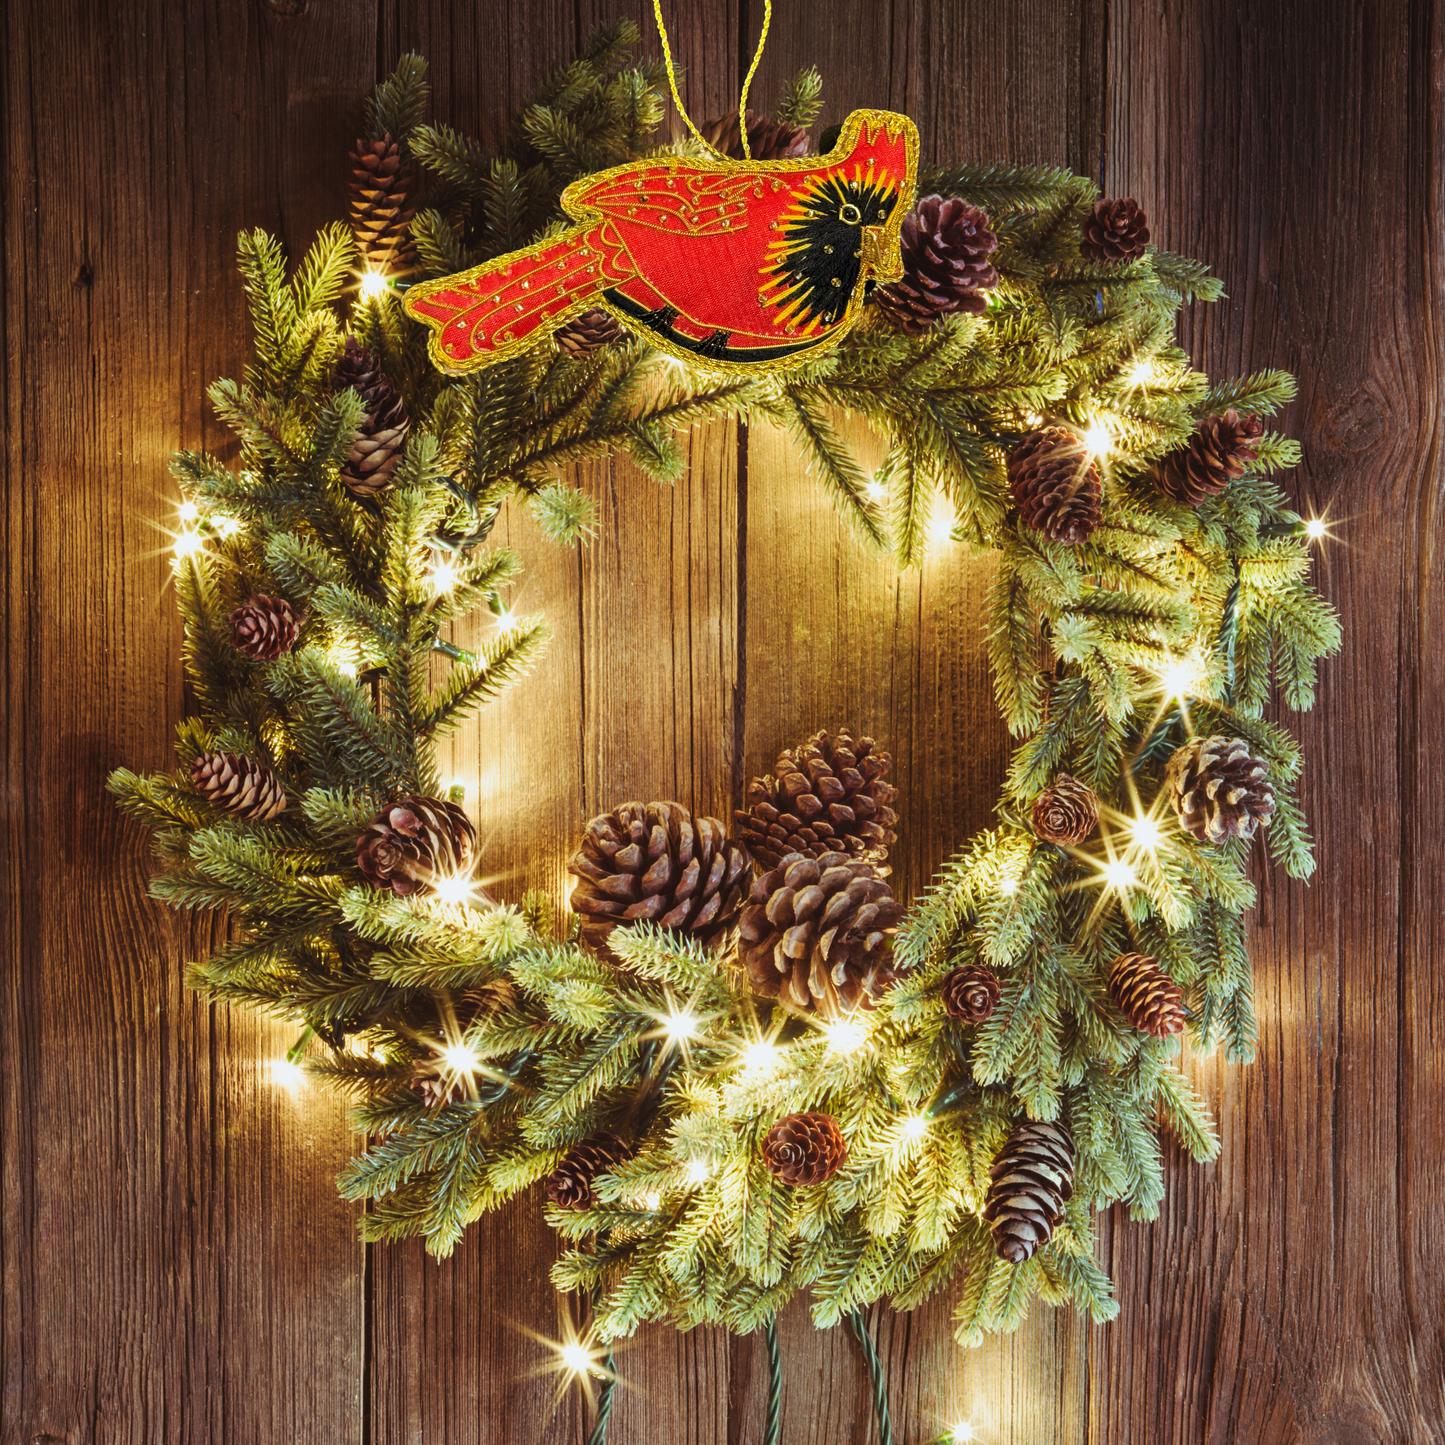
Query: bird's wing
x: 670, y: 196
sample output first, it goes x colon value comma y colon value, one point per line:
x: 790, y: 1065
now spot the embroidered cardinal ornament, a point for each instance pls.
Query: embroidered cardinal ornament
x: 744, y: 264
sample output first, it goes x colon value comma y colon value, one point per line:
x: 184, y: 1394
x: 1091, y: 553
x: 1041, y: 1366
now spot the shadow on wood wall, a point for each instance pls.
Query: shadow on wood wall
x: 176, y: 1264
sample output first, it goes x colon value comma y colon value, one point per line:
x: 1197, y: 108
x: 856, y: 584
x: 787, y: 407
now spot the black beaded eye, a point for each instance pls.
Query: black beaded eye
x: 851, y: 214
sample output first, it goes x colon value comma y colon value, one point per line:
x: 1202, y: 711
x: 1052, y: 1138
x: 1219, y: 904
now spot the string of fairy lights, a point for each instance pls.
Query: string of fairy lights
x: 1130, y: 842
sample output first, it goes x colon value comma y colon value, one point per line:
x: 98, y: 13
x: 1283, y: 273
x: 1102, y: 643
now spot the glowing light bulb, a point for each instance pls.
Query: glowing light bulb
x: 874, y: 490
x: 373, y: 285
x: 1097, y: 438
x: 697, y: 1171
x: 1146, y: 832
x: 963, y: 1433
x: 1142, y: 372
x: 915, y: 1126
x: 188, y: 511
x: 577, y: 1358
x: 443, y: 577
x: 288, y: 1075
x: 1315, y: 528
x: 226, y: 526
x: 460, y: 1059
x: 1033, y: 418
x: 505, y: 621
x: 760, y: 1055
x: 1119, y: 875
x: 845, y: 1037
x: 680, y: 1026
x: 1180, y: 677
x: 1008, y: 886
x: 940, y: 526
x: 457, y: 889
x: 652, y: 1202
x: 188, y: 544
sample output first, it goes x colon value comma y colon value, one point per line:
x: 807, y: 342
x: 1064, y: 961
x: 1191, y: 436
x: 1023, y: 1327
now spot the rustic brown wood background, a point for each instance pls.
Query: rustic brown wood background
x: 176, y: 1265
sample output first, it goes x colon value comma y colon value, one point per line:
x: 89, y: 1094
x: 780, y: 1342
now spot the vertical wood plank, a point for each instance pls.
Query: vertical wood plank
x: 176, y: 1263
x: 1293, y: 1274
x: 834, y: 638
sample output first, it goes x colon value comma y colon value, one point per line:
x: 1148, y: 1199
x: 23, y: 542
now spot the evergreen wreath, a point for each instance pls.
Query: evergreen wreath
x: 742, y: 1068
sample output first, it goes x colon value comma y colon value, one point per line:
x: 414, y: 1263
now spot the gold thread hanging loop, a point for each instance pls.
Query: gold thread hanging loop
x: 742, y: 102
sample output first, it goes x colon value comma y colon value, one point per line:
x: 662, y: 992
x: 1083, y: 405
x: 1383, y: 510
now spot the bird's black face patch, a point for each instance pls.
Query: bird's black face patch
x: 813, y: 267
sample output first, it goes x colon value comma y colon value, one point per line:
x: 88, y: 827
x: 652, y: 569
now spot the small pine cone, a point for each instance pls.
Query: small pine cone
x: 236, y: 785
x: 411, y: 843
x: 768, y: 139
x: 589, y: 332
x: 438, y: 1085
x: 657, y: 862
x: 1146, y: 995
x: 1221, y: 449
x: 264, y: 627
x: 1218, y: 790
x: 1114, y: 231
x: 828, y: 797
x: 1033, y: 1178
x: 945, y: 245
x: 384, y: 196
x: 374, y: 454
x: 817, y: 934
x: 805, y: 1149
x: 970, y: 994
x: 570, y: 1183
x: 1067, y: 812
x: 1056, y: 485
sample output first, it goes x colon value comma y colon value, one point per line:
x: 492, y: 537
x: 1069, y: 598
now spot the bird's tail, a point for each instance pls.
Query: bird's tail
x: 482, y: 315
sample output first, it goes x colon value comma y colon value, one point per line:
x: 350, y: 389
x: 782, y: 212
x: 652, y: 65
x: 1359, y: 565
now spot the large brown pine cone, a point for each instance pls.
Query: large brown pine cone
x: 1056, y: 485
x: 946, y: 245
x: 1115, y: 231
x: 805, y: 1149
x: 817, y: 934
x: 264, y: 627
x: 827, y: 797
x: 413, y: 843
x: 970, y: 994
x: 589, y: 332
x: 1221, y: 449
x: 374, y: 454
x: 570, y: 1183
x: 236, y: 785
x: 656, y: 862
x: 1146, y: 995
x: 1033, y: 1178
x: 1218, y: 790
x: 384, y: 195
x: 1067, y: 812
x: 768, y: 139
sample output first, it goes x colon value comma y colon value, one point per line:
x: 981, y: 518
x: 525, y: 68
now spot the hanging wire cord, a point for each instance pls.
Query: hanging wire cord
x: 605, y: 1390
x: 875, y: 1376
x: 743, y: 100
x: 773, y: 1429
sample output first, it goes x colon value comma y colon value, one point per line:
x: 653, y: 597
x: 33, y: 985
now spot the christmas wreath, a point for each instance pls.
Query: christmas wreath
x: 741, y: 1067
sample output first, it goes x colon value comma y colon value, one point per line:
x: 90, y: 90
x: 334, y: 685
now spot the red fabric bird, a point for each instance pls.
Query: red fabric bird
x: 743, y: 264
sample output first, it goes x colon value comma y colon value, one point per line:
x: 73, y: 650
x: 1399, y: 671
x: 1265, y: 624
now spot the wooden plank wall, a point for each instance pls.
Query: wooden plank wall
x: 176, y: 1266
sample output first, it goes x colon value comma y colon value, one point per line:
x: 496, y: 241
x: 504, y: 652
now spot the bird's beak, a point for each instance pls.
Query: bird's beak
x: 881, y: 262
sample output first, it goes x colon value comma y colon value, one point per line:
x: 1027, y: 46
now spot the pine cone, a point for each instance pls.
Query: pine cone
x: 818, y: 934
x: 374, y: 454
x: 768, y: 139
x: 1056, y: 485
x: 264, y: 627
x: 1033, y: 1177
x: 805, y: 1149
x: 1218, y: 790
x: 589, y: 332
x: 1221, y: 449
x: 1146, y: 995
x: 236, y: 785
x: 384, y: 197
x: 1114, y: 231
x: 657, y: 862
x: 1067, y: 812
x: 570, y: 1183
x: 827, y: 797
x: 946, y: 245
x: 970, y: 994
x: 411, y: 843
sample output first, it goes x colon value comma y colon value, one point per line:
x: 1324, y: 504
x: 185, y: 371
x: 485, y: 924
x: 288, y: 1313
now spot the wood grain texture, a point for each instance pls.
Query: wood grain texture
x: 176, y: 1265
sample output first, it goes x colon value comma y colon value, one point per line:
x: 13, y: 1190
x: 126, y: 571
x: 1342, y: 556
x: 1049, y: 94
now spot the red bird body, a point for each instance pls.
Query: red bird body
x: 737, y: 263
